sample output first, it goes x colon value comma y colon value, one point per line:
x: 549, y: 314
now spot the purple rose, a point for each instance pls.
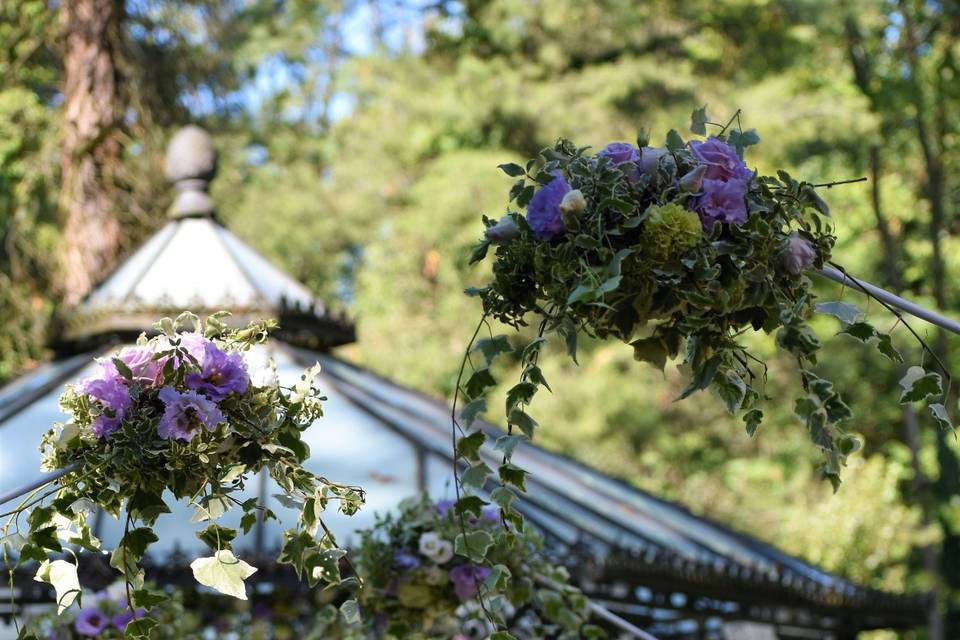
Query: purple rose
x: 722, y: 201
x: 405, y: 560
x: 91, y: 622
x: 122, y: 619
x: 467, y: 578
x: 543, y: 212
x: 140, y: 361
x: 185, y: 413
x: 799, y: 255
x: 721, y: 159
x: 623, y: 155
x: 110, y: 392
x: 443, y: 506
x: 221, y: 373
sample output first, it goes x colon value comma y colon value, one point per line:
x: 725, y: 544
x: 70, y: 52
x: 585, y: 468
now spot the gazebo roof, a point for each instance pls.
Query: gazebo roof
x: 194, y: 262
x: 650, y: 560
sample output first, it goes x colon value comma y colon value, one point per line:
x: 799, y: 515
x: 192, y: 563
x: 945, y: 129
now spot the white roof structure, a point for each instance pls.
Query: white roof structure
x: 195, y: 263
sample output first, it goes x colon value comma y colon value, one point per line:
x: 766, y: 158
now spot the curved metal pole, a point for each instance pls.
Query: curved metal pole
x: 46, y: 479
x: 893, y: 300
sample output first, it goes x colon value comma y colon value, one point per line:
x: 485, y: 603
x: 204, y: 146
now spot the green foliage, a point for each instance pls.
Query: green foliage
x: 133, y: 465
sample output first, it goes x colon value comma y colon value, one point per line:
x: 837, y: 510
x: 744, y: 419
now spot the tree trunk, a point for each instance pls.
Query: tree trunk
x: 91, y: 149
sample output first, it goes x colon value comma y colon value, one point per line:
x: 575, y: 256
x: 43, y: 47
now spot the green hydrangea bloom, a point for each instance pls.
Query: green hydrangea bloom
x: 670, y: 230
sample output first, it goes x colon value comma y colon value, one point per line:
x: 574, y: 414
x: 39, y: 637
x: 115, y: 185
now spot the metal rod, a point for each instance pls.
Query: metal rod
x: 602, y: 612
x: 46, y: 479
x: 893, y: 300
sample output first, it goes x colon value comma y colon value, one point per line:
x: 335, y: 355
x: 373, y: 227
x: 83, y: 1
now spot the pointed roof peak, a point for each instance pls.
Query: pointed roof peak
x: 191, y: 164
x: 194, y: 263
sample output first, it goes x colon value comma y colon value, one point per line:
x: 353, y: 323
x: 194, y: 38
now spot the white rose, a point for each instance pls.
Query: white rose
x: 435, y: 548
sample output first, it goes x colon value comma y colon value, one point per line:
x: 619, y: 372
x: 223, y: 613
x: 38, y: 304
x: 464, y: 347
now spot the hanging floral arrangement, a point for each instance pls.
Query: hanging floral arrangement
x: 677, y: 251
x: 430, y: 573
x: 178, y: 414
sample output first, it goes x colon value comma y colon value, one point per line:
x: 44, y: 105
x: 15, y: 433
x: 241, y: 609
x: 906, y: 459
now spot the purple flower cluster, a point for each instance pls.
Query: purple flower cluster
x: 219, y: 374
x: 725, y: 183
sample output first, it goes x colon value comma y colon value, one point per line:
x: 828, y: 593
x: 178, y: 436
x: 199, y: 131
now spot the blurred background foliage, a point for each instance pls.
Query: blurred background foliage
x: 359, y: 142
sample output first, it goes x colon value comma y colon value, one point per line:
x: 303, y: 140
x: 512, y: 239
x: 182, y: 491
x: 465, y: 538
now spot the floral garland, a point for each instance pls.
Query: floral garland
x: 179, y: 413
x: 676, y: 251
x: 424, y: 570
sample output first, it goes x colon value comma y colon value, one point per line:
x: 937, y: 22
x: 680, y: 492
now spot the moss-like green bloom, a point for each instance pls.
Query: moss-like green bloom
x: 670, y: 230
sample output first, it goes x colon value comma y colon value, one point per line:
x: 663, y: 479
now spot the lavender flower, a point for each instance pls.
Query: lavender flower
x: 722, y: 201
x: 467, y: 578
x: 140, y: 361
x: 721, y: 159
x: 443, y: 506
x: 405, y: 560
x: 490, y: 513
x: 122, y: 619
x: 799, y: 255
x: 185, y: 413
x: 110, y: 392
x: 543, y: 212
x: 221, y: 373
x: 91, y: 622
x: 623, y: 155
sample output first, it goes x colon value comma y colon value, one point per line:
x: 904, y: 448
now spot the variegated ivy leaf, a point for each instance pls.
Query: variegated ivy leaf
x: 919, y: 384
x: 62, y: 575
x: 223, y: 572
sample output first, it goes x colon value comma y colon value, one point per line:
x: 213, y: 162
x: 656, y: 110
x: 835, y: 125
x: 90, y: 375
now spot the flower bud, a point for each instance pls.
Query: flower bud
x: 572, y: 206
x: 692, y: 181
x: 503, y: 232
x: 799, y: 255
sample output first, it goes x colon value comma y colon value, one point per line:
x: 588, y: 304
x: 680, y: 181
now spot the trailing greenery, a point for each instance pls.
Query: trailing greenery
x: 178, y: 413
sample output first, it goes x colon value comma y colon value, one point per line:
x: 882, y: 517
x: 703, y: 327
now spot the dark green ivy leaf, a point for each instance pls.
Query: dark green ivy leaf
x: 698, y: 121
x: 674, y: 141
x: 140, y: 628
x: 468, y: 447
x: 702, y: 377
x: 511, y: 169
x: 217, y: 537
x: 492, y: 347
x: 479, y: 381
x: 919, y: 384
x: 740, y: 140
x: 752, y: 419
x: 472, y: 411
x: 650, y: 350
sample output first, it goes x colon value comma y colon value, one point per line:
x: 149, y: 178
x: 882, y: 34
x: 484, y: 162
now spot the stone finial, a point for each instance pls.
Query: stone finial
x: 191, y: 164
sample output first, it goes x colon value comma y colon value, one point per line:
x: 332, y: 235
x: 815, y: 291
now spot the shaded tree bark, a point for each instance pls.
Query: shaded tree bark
x: 91, y: 148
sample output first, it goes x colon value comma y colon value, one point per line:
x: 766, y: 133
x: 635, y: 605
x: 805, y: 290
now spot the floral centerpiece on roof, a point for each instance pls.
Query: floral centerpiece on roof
x: 431, y: 572
x: 179, y: 415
